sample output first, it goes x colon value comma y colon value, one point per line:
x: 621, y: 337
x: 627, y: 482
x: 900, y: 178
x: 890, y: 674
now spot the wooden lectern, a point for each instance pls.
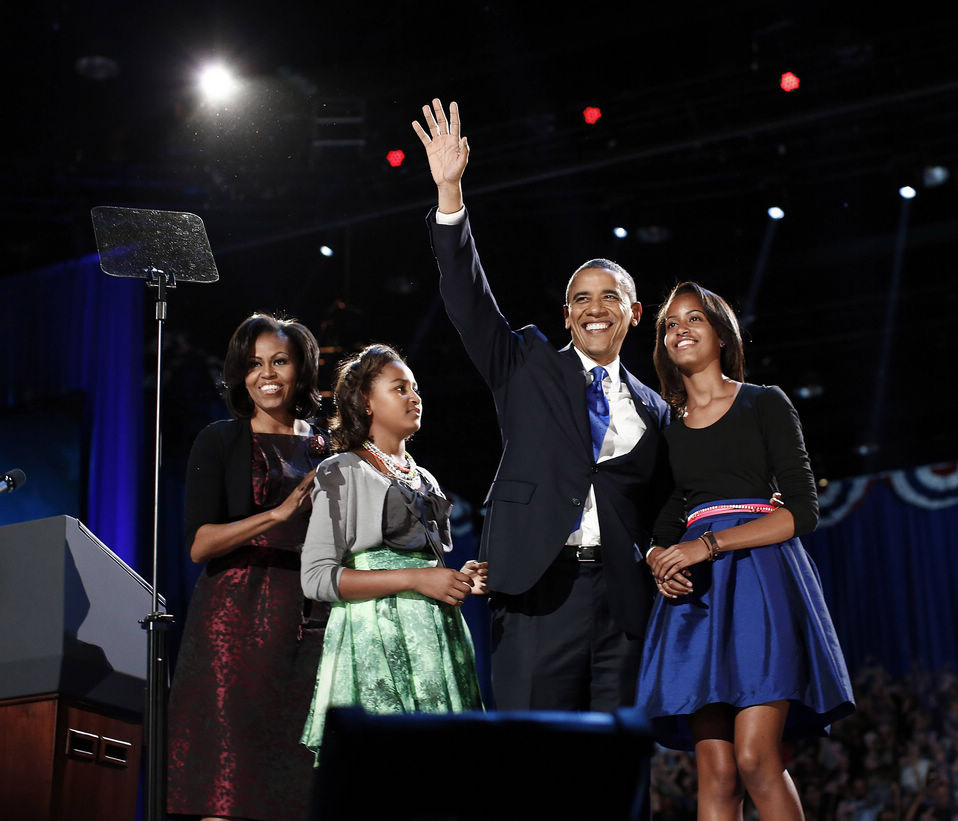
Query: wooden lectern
x: 72, y: 673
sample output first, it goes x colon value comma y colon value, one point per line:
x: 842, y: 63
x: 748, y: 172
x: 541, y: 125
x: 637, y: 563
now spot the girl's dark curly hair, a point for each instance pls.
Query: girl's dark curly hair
x: 305, y: 351
x: 722, y: 319
x: 354, y: 378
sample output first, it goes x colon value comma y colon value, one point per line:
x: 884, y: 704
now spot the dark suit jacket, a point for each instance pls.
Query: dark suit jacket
x: 547, y: 467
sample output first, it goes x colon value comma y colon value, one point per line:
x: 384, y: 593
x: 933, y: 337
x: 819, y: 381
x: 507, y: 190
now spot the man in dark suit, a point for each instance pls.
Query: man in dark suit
x: 582, y: 475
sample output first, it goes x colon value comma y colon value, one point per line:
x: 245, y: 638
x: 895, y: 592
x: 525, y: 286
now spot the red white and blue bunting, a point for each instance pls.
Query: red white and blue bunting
x: 931, y: 486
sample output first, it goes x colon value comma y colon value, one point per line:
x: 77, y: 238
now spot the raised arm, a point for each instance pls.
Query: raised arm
x: 466, y: 293
x: 447, y: 152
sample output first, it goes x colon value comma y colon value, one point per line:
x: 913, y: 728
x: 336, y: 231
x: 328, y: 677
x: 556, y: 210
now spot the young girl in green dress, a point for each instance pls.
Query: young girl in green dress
x: 396, y: 641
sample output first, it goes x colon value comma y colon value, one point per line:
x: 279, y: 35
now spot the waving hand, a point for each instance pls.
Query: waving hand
x: 447, y: 152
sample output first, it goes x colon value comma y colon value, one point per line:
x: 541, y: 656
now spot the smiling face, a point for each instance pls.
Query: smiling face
x: 689, y: 338
x: 599, y: 313
x: 272, y: 374
x: 394, y: 404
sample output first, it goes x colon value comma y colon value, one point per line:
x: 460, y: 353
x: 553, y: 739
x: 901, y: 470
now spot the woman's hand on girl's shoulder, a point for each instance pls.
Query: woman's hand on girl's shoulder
x: 300, y: 499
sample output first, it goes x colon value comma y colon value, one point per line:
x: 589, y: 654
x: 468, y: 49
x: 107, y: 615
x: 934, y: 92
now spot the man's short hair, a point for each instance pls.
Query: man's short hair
x: 623, y: 277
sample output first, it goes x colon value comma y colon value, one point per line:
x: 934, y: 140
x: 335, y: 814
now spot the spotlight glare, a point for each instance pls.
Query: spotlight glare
x: 217, y: 82
x: 97, y: 67
x: 789, y: 82
x: 906, y: 192
x: 620, y: 232
x: 776, y: 213
x: 325, y: 250
x: 395, y: 157
x: 810, y: 391
x: 591, y: 114
x: 935, y: 175
x: 653, y: 234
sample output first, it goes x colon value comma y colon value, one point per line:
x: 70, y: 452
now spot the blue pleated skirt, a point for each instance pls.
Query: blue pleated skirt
x: 755, y: 629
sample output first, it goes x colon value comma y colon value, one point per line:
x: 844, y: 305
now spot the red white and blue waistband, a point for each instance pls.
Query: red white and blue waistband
x: 724, y: 507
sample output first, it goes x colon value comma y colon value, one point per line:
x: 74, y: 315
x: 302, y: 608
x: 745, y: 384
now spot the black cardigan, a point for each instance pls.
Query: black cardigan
x: 219, y: 477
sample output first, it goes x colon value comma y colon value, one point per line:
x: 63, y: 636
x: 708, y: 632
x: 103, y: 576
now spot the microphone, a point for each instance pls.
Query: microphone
x: 11, y: 480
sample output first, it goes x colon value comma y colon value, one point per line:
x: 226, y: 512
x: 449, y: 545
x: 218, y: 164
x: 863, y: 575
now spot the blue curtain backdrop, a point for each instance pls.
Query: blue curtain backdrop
x: 72, y: 328
x: 887, y: 552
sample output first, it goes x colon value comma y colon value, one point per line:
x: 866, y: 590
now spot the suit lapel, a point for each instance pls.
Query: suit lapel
x: 573, y: 386
x: 636, y: 388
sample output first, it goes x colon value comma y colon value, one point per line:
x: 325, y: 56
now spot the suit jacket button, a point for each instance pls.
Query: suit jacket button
x: 577, y: 502
x: 595, y: 468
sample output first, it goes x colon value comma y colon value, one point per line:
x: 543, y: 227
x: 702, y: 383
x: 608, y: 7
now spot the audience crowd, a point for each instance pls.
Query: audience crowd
x: 894, y: 759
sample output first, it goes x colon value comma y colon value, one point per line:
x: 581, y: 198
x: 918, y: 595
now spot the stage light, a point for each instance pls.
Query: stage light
x: 775, y: 215
x: 620, y: 232
x: 935, y: 175
x: 395, y: 157
x: 325, y: 250
x: 653, y: 234
x: 217, y: 83
x: 810, y: 391
x: 591, y: 114
x: 97, y: 67
x: 906, y: 192
x: 789, y: 82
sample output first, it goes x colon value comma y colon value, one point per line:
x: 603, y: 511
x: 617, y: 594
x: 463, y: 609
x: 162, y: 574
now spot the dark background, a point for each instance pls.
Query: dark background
x: 695, y: 142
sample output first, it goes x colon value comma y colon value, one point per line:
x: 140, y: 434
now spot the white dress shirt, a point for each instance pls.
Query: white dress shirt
x: 626, y: 428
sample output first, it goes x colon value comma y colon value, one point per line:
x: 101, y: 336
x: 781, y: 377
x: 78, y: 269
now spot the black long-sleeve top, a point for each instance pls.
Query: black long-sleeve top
x: 753, y: 450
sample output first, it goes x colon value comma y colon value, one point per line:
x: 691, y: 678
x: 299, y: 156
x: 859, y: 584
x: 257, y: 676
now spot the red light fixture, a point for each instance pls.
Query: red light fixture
x: 789, y: 82
x: 591, y: 114
x: 395, y: 157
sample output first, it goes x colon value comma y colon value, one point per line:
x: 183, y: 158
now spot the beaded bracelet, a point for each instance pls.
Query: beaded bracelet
x: 708, y: 538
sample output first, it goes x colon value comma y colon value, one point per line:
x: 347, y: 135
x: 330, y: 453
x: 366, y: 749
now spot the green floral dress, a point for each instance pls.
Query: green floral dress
x: 405, y: 653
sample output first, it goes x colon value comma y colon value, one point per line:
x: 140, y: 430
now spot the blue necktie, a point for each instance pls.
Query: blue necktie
x: 598, y: 409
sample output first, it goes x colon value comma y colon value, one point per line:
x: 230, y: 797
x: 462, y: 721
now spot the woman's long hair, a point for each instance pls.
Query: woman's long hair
x: 723, y: 321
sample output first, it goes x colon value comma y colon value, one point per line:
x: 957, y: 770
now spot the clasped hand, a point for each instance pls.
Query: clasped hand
x: 452, y: 586
x: 669, y: 566
x: 477, y: 572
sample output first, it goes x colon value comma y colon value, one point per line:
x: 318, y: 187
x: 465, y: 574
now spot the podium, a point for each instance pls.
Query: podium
x: 72, y: 673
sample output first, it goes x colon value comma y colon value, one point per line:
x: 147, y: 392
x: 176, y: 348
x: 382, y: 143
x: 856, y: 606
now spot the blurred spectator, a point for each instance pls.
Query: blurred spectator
x: 895, y: 759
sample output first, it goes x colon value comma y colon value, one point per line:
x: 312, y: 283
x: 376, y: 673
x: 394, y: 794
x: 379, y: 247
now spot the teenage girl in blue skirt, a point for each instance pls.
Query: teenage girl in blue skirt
x: 740, y: 652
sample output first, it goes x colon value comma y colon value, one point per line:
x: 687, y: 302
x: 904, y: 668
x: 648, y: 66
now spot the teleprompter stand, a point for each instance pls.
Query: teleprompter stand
x: 163, y: 248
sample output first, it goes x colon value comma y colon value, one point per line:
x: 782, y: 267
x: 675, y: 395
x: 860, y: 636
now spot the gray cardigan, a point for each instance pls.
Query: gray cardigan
x: 349, y: 495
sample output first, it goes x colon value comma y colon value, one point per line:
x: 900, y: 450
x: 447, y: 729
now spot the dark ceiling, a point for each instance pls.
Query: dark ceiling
x: 695, y: 142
